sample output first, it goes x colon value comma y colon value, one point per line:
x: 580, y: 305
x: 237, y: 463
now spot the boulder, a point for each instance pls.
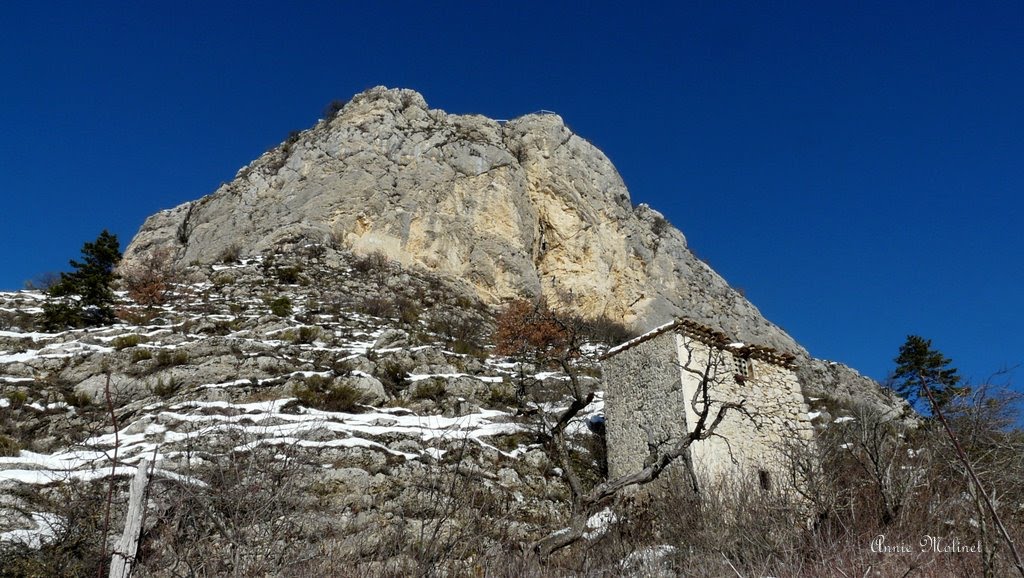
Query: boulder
x: 391, y: 339
x: 372, y: 388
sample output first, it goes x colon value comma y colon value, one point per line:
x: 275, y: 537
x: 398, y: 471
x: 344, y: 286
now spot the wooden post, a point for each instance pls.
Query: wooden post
x: 124, y: 551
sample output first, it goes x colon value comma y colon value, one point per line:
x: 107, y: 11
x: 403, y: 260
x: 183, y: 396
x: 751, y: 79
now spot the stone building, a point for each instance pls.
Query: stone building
x: 654, y: 397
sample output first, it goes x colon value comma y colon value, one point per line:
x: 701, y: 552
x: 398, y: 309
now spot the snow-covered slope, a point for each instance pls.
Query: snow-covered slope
x: 214, y: 378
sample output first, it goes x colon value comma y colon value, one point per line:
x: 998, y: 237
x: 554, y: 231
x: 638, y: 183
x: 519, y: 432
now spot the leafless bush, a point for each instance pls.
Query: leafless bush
x: 462, y: 332
x: 149, y: 279
x: 246, y: 514
x: 607, y: 331
x: 375, y: 266
x: 377, y: 306
x: 333, y: 108
x: 42, y: 281
x: 327, y: 394
x: 370, y: 262
x: 737, y: 528
x: 452, y: 519
x: 74, y: 522
x: 230, y: 254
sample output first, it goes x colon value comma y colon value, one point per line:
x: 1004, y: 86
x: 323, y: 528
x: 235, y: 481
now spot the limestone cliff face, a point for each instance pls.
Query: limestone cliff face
x: 523, y: 207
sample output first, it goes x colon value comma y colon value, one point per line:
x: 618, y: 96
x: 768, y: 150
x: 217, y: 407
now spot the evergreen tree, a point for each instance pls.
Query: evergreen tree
x: 84, y: 297
x: 921, y: 369
x: 919, y: 366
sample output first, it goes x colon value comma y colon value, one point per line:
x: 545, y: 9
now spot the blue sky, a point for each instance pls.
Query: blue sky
x: 855, y: 167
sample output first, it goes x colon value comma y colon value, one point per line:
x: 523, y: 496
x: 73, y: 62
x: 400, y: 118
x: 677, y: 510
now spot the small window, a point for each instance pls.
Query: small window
x: 765, y: 479
x: 745, y: 367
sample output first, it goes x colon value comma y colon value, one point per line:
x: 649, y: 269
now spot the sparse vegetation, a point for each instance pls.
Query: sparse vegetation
x: 432, y: 389
x: 327, y: 394
x: 606, y: 331
x: 17, y: 399
x: 393, y: 377
x: 375, y: 266
x: 408, y: 498
x: 126, y: 341
x: 660, y: 226
x: 166, y: 387
x: 77, y: 400
x: 222, y: 280
x: 289, y: 275
x: 9, y: 447
x: 464, y: 334
x: 502, y: 396
x: 377, y: 306
x: 305, y: 335
x: 166, y: 358
x: 230, y: 255
x: 333, y: 108
x: 75, y: 549
x: 281, y: 306
x: 408, y: 310
x: 42, y: 281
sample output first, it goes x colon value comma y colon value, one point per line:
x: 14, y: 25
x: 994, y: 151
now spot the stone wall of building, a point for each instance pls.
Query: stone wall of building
x: 754, y: 443
x: 651, y: 387
x: 642, y: 394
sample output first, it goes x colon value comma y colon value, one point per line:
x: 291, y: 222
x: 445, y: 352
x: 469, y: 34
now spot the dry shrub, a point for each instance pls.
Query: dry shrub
x: 327, y: 394
x: 76, y: 523
x: 377, y: 306
x: 231, y: 254
x: 451, y: 522
x: 9, y: 447
x: 870, y: 477
x: 245, y: 519
x: 528, y: 327
x: 375, y: 266
x: 607, y: 331
x: 149, y: 279
x: 462, y: 332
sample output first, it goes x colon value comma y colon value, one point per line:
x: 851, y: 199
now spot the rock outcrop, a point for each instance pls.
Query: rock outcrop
x: 524, y: 207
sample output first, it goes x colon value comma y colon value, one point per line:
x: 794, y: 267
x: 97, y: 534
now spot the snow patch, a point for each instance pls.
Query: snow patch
x: 599, y: 523
x: 45, y: 530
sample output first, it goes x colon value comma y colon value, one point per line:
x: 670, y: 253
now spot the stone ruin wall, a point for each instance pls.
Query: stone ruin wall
x: 774, y: 400
x: 642, y: 390
x: 649, y: 388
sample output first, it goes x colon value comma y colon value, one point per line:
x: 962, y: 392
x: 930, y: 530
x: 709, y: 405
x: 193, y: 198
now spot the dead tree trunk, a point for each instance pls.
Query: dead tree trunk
x: 589, y: 502
x: 126, y: 548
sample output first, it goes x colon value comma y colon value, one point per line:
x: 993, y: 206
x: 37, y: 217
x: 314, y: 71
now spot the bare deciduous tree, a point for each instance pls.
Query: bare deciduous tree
x: 709, y: 410
x: 149, y: 279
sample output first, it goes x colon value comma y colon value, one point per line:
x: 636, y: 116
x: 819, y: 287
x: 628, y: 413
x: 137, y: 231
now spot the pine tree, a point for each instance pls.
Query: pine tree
x: 919, y: 366
x: 921, y: 369
x: 84, y: 297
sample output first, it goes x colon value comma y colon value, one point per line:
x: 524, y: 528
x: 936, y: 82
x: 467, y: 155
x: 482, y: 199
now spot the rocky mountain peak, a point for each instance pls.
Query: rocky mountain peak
x: 518, y: 208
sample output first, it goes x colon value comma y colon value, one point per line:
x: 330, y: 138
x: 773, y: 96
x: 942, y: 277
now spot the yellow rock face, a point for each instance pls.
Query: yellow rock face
x: 516, y: 209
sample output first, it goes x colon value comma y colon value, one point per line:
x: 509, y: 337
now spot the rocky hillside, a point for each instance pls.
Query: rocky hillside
x: 524, y: 207
x: 308, y: 412
x: 503, y: 209
x: 354, y: 403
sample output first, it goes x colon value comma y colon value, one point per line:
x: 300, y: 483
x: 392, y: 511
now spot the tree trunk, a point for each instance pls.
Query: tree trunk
x: 126, y: 548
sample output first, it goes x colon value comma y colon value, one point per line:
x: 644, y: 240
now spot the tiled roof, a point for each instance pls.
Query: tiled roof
x: 711, y: 337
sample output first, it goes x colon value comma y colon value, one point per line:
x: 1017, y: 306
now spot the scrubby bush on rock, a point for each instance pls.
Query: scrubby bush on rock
x: 327, y: 394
